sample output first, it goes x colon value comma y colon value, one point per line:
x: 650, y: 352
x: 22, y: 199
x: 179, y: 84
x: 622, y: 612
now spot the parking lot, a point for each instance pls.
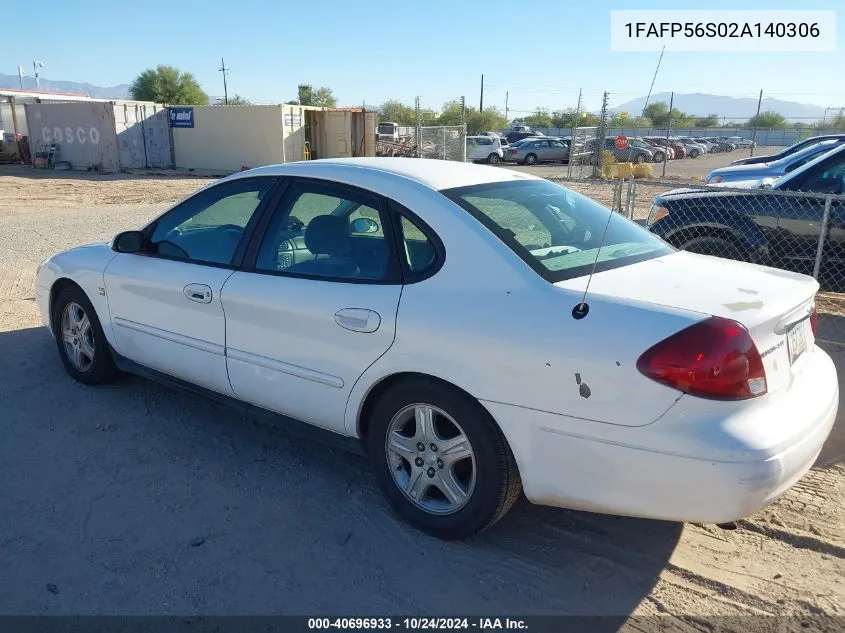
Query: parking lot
x: 135, y: 499
x: 687, y: 169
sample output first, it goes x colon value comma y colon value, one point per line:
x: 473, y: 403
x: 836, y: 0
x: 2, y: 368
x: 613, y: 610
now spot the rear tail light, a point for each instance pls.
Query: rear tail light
x: 657, y: 213
x: 714, y: 359
x: 814, y: 321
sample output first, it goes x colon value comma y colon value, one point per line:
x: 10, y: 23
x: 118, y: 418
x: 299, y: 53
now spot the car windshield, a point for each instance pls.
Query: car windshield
x: 556, y: 231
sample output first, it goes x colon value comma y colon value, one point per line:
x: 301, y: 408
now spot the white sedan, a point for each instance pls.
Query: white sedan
x: 439, y: 314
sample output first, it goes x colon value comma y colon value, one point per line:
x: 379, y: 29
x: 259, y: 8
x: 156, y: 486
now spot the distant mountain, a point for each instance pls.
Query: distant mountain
x: 51, y: 85
x: 731, y: 108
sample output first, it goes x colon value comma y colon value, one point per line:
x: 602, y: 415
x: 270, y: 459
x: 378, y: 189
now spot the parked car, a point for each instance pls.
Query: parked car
x: 538, y: 150
x: 741, y: 141
x: 634, y: 153
x: 721, y: 144
x: 514, y: 136
x: 709, y: 146
x: 749, y: 175
x: 694, y: 150
x: 658, y: 151
x: 751, y: 160
x: 756, y: 226
x: 484, y: 148
x: 433, y: 313
x: 678, y: 149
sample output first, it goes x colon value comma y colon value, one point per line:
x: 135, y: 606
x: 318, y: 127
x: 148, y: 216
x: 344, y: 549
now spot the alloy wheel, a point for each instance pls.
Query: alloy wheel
x: 430, y: 458
x: 77, y: 336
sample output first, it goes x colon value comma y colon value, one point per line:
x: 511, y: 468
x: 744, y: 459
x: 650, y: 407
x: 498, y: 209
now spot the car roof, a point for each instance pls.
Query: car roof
x: 431, y: 172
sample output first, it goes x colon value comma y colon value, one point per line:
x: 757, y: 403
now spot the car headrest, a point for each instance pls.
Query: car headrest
x: 327, y: 235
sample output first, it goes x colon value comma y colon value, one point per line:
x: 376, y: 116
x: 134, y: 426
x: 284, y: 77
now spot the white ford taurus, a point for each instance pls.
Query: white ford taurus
x: 439, y: 314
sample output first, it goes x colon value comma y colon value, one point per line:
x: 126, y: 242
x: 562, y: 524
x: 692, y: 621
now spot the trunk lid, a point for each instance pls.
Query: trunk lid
x: 773, y: 304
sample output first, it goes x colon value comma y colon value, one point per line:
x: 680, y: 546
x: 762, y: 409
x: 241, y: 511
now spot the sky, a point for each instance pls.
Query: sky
x: 370, y: 51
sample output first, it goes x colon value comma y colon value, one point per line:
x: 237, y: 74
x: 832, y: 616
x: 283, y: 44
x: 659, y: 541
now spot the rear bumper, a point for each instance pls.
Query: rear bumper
x: 633, y: 472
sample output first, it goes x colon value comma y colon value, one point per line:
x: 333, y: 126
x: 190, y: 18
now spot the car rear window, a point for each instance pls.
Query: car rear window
x: 558, y: 232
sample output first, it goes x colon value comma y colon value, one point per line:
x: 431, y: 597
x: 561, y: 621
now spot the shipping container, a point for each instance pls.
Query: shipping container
x: 224, y: 139
x: 101, y: 135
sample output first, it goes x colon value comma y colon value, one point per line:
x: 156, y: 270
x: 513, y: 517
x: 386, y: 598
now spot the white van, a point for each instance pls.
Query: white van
x: 485, y: 148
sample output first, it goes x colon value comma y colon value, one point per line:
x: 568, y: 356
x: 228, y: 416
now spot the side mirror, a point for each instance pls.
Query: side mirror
x: 128, y: 242
x: 767, y: 183
x: 364, y: 225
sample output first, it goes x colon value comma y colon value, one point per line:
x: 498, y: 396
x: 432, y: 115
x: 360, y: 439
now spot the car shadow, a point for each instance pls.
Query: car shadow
x: 134, y: 498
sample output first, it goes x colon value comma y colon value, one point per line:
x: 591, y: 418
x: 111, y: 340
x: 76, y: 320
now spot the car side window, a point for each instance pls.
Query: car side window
x: 330, y: 232
x: 207, y: 227
x: 829, y: 178
x: 485, y: 141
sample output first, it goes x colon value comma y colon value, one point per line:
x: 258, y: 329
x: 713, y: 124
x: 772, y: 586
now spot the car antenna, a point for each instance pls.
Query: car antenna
x: 581, y: 309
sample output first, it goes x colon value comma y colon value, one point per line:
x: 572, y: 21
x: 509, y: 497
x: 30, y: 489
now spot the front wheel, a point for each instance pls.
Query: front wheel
x: 493, y: 159
x: 658, y: 157
x: 716, y: 247
x: 639, y: 159
x: 440, y: 459
x: 531, y: 159
x: 82, y: 345
x: 694, y: 153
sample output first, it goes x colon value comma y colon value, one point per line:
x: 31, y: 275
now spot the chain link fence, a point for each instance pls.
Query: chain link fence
x: 790, y: 230
x: 444, y: 142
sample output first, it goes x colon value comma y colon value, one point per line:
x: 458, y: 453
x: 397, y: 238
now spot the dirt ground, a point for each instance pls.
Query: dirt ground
x: 134, y: 499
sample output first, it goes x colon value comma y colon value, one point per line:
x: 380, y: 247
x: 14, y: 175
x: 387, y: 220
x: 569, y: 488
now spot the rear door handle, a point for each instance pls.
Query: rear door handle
x: 358, y: 319
x: 198, y: 292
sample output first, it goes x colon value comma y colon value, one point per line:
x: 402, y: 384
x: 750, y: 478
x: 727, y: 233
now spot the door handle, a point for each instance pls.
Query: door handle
x: 198, y: 292
x: 358, y: 319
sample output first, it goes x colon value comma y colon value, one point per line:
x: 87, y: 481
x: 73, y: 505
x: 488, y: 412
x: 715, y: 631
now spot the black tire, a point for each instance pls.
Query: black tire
x: 497, y: 483
x: 102, y: 368
x: 493, y: 159
x: 658, y: 157
x: 694, y: 153
x: 531, y: 159
x: 639, y: 159
x: 715, y: 246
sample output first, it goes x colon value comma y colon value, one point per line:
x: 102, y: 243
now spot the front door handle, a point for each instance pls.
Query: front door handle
x: 358, y: 319
x: 198, y: 292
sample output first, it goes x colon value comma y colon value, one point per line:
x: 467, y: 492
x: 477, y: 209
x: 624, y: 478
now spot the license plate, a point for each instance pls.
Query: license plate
x: 796, y: 340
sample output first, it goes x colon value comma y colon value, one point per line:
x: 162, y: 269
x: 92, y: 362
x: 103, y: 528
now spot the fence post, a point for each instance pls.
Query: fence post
x: 629, y: 201
x: 444, y: 143
x: 822, y: 234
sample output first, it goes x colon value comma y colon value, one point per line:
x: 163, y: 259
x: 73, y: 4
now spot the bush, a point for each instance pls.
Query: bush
x: 607, y: 162
x: 643, y: 170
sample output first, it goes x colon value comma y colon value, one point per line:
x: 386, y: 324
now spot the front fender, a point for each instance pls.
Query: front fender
x: 84, y: 266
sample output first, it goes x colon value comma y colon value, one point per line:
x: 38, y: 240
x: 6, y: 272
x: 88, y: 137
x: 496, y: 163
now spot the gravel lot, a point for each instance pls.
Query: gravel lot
x: 134, y: 499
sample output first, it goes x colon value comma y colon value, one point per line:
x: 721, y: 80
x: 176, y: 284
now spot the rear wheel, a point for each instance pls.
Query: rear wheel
x: 658, y: 157
x: 694, y: 153
x: 493, y: 159
x: 441, y: 460
x: 531, y: 159
x: 715, y: 246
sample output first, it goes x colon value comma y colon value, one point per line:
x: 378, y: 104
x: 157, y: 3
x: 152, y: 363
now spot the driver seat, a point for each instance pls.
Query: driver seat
x: 327, y: 235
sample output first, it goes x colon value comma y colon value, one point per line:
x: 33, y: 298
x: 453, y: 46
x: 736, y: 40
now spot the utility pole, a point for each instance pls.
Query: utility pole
x: 464, y: 126
x: 602, y: 131
x: 574, y: 130
x: 224, y: 70
x: 35, y: 66
x: 668, y: 130
x: 419, y: 128
x: 481, y: 101
x: 20, y: 75
x: 756, y: 122
x: 506, y: 105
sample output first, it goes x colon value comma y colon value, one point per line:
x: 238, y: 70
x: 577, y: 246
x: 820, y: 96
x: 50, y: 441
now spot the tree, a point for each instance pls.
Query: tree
x: 239, y: 100
x: 304, y: 93
x: 767, y: 120
x: 540, y: 118
x: 569, y: 118
x: 657, y: 113
x: 397, y: 112
x: 711, y: 120
x: 323, y: 97
x: 166, y: 84
x: 488, y: 121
